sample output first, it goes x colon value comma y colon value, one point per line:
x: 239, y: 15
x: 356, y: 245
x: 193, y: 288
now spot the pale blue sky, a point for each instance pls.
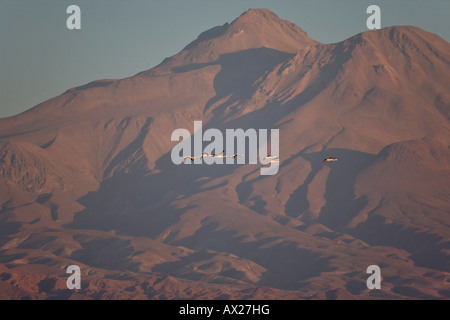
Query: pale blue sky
x: 40, y: 58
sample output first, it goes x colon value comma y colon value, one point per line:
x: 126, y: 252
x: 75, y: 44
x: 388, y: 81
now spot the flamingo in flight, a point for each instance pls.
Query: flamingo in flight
x: 237, y: 155
x: 220, y: 155
x: 212, y: 155
x: 270, y: 157
x: 206, y: 154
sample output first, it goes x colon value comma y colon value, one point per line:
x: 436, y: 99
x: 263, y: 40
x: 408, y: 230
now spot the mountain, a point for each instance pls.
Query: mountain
x: 87, y: 177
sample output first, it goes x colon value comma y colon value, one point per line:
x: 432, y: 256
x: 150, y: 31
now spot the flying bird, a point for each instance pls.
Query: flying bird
x: 206, y: 154
x: 272, y: 159
x: 236, y: 155
x: 220, y: 155
x: 329, y: 159
x: 189, y: 157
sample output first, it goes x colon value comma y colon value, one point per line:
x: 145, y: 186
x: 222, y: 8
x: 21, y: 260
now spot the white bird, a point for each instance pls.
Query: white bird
x: 220, y: 155
x: 236, y: 155
x: 206, y: 154
x: 271, y: 157
x: 189, y: 157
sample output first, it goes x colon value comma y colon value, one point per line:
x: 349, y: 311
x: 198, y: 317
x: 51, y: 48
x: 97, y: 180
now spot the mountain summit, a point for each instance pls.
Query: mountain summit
x: 255, y: 28
x: 87, y: 177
